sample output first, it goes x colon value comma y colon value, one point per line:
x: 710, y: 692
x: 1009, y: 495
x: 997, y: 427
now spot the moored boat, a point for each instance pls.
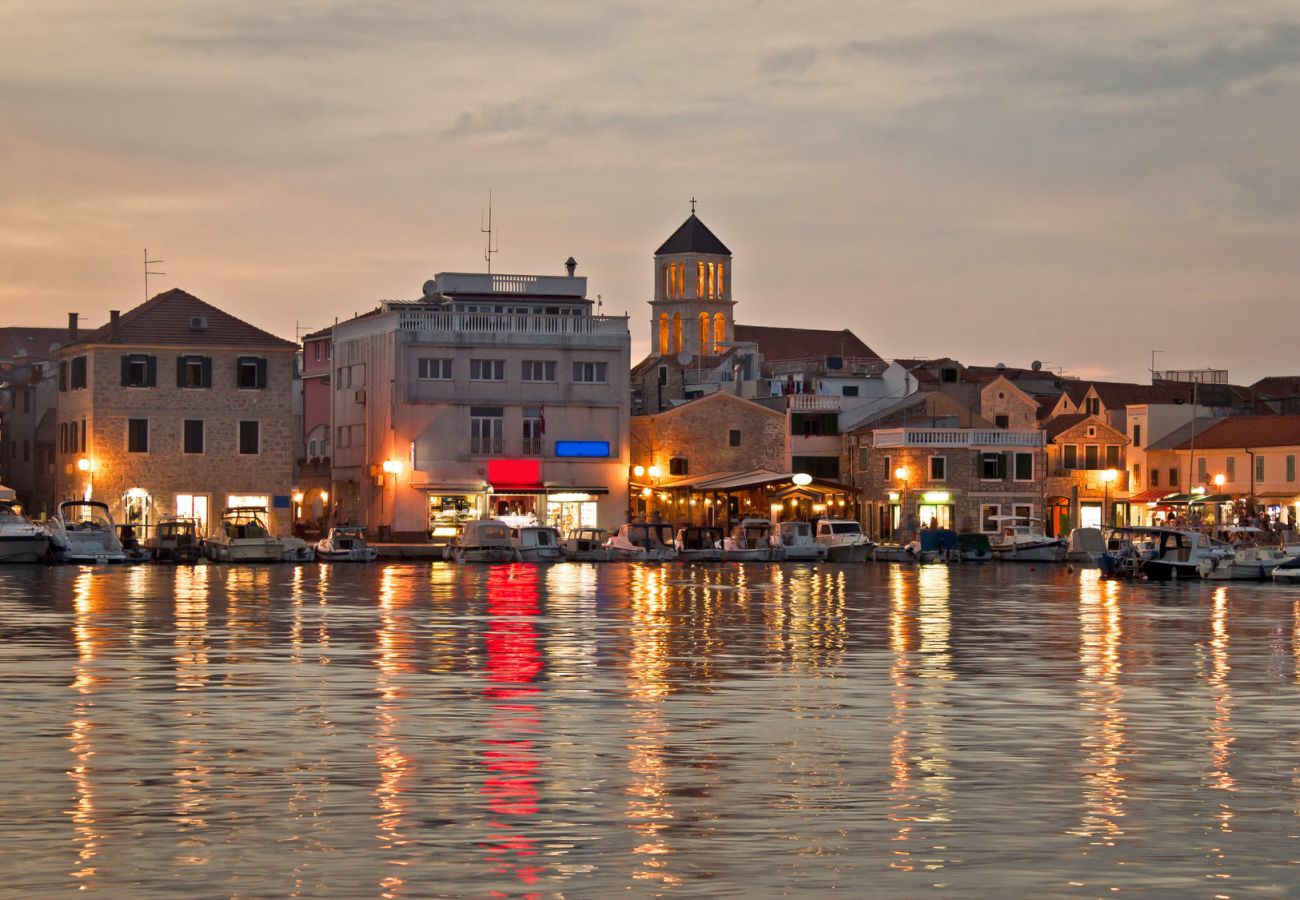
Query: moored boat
x: 750, y: 541
x: 176, y: 539
x: 844, y: 540
x: 643, y: 542
x: 974, y: 546
x: 1086, y: 546
x: 699, y: 543
x: 244, y: 536
x: 1245, y: 564
x: 796, y: 542
x: 1021, y: 539
x: 481, y: 541
x: 83, y: 532
x: 345, y: 543
x: 536, y: 543
x: 586, y: 545
x: 1178, y: 555
x: 21, y: 540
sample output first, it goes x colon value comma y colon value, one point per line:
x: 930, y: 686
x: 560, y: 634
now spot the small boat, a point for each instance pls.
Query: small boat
x: 644, y: 542
x: 83, y: 532
x: 909, y: 552
x: 699, y: 543
x: 1245, y: 564
x: 481, y: 541
x: 1288, y: 572
x: 21, y: 539
x: 1127, y: 547
x: 1021, y: 539
x: 750, y: 541
x: 176, y: 540
x: 942, y: 542
x: 974, y: 546
x: 345, y: 543
x: 844, y: 540
x: 1177, y: 556
x: 1086, y: 546
x: 536, y: 543
x: 586, y: 545
x: 243, y: 536
x: 796, y: 542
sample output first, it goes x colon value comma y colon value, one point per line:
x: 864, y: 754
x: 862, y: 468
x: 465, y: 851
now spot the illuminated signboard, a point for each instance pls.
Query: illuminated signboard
x: 584, y: 449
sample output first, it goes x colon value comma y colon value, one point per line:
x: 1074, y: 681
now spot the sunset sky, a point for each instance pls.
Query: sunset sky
x: 1074, y: 182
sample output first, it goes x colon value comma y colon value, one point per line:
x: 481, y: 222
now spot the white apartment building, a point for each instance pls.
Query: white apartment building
x: 491, y: 396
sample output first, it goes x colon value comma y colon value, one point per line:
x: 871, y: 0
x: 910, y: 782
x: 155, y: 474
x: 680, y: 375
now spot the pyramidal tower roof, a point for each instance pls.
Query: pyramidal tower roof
x: 693, y: 237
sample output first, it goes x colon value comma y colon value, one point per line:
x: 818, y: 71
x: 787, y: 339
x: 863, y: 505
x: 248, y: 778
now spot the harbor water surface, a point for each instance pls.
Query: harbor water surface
x: 415, y: 730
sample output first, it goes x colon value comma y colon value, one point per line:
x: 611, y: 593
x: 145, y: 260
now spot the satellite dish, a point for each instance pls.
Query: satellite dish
x: 685, y: 357
x: 1036, y: 365
x: 430, y: 288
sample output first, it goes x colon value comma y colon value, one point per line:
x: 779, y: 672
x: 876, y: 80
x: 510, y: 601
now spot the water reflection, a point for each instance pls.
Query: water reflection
x: 192, y: 769
x: 920, y: 627
x: 92, y: 637
x: 1101, y: 695
x: 396, y: 767
x: 1221, y: 734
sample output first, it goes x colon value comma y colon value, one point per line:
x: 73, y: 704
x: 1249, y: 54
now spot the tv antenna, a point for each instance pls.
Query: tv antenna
x: 492, y: 245
x: 147, y: 263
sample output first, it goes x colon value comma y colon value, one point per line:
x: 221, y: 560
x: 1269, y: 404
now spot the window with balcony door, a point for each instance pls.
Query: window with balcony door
x: 533, y: 429
x: 486, y: 425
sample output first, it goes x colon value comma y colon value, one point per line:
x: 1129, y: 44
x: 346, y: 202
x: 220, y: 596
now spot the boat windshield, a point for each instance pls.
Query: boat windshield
x: 846, y: 528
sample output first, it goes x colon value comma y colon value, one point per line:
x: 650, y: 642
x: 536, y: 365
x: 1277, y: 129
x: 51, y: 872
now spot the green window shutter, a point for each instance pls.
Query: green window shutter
x: 1002, y: 465
x: 261, y: 373
x: 207, y: 371
x: 63, y: 376
x: 180, y: 370
x: 126, y: 369
x: 151, y: 371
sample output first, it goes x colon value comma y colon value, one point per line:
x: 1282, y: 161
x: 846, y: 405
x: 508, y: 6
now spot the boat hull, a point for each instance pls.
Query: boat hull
x: 1166, y: 570
x: 848, y: 553
x: 24, y: 548
x: 252, y: 551
x: 1049, y: 551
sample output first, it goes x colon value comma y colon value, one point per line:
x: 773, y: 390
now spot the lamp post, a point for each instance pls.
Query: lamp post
x: 391, y: 468
x: 87, y: 465
x: 1218, y: 503
x: 1108, y: 478
x: 901, y: 474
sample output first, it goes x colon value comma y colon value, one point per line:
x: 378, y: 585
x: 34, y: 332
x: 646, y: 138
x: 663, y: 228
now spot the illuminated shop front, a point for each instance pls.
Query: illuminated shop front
x: 449, y: 507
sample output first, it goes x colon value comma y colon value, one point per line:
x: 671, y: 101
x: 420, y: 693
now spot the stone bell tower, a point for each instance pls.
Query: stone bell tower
x: 691, y: 314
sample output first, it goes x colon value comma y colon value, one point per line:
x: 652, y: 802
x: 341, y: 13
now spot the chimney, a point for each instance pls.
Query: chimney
x: 72, y: 327
x: 571, y: 265
x: 114, y: 326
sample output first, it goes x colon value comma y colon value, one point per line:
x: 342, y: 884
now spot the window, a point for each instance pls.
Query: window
x: 534, y: 428
x: 719, y: 325
x: 949, y: 376
x: 589, y: 372
x: 938, y: 468
x: 1112, y: 456
x: 704, y: 333
x: 1202, y: 470
x: 84, y: 445
x: 78, y: 379
x: 250, y: 373
x: 699, y: 279
x: 27, y: 450
x: 1002, y: 421
x: 63, y: 376
x: 1070, y: 457
x: 318, y: 346
x: 663, y: 336
x: 1155, y: 478
x: 487, y: 370
x: 1259, y: 468
x: 1023, y: 511
x: 193, y: 436
x: 733, y: 437
x: 27, y: 400
x: 1137, y: 436
x: 1290, y: 467
x: 193, y: 372
x: 812, y: 424
x: 722, y: 279
x: 139, y: 370
x: 1091, y: 456
x: 539, y: 370
x: 992, y: 466
x: 137, y: 435
x: 864, y: 459
x: 311, y: 450
x: 435, y: 369
x: 678, y: 465
x: 889, y: 472
x: 849, y: 390
x: 1024, y: 467
x: 1092, y: 406
x: 1173, y: 476
x: 677, y: 332
x: 249, y: 438
x: 1232, y: 468
x: 987, y: 514
x: 485, y: 429
x: 1137, y: 476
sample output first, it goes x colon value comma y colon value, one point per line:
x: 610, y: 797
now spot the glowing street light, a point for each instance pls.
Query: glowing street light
x: 1108, y: 478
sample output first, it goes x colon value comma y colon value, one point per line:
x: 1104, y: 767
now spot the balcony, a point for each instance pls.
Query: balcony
x: 445, y: 322
x: 955, y: 437
x: 814, y: 403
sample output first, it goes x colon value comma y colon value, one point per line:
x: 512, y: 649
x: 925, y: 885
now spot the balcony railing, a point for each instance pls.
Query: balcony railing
x: 532, y: 447
x: 485, y: 445
x: 814, y: 403
x: 508, y: 323
x: 956, y: 437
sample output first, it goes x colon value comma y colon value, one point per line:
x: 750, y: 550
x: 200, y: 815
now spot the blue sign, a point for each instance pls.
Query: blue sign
x: 583, y: 449
x: 280, y: 501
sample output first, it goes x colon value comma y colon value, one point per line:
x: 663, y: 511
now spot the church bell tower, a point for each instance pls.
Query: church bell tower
x: 691, y: 314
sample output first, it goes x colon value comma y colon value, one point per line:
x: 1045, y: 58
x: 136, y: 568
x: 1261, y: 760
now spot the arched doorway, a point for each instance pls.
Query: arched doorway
x: 1058, y: 517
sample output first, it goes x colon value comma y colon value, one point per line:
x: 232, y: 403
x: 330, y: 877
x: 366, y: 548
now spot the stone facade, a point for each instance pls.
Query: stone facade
x: 703, y: 434
x: 1002, y: 398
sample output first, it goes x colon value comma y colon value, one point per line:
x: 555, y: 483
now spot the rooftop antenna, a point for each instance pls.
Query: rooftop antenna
x: 492, y: 246
x: 147, y: 263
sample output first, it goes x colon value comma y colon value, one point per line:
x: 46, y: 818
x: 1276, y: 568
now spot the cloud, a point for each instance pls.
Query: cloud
x: 795, y: 61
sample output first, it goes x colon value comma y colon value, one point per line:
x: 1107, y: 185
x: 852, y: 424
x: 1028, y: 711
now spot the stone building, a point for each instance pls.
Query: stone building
x: 492, y: 395
x: 176, y: 407
x: 28, y: 389
x: 312, y: 500
x: 1087, y: 475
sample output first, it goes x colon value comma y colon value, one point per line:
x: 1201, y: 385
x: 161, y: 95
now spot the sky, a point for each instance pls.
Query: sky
x: 1073, y: 182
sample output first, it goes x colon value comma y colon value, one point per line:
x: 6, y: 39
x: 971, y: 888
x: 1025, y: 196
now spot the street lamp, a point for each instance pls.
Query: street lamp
x: 1108, y: 478
x: 87, y: 465
x: 901, y: 474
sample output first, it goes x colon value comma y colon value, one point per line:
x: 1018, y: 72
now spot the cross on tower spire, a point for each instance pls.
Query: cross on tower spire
x: 692, y: 206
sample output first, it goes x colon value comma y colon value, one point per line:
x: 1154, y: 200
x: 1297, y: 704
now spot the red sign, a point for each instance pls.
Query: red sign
x: 514, y: 472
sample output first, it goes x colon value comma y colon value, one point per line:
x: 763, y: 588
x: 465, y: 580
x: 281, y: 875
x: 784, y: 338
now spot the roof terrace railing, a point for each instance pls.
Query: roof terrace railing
x: 955, y: 437
x: 508, y: 323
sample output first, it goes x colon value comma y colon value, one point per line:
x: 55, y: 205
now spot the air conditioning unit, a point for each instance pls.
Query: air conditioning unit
x: 360, y: 396
x: 198, y: 323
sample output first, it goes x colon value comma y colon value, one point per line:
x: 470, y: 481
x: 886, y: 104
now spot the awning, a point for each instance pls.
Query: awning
x: 434, y: 487
x: 552, y: 488
x: 1211, y: 498
x: 528, y: 488
x: 1150, y: 496
x: 1176, y: 498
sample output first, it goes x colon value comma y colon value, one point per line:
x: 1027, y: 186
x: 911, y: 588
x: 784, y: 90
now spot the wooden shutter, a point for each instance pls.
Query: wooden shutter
x: 261, y: 373
x: 207, y: 371
x: 151, y: 371
x: 126, y: 369
x: 180, y: 370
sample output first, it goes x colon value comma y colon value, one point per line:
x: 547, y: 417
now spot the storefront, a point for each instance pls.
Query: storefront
x: 450, y: 506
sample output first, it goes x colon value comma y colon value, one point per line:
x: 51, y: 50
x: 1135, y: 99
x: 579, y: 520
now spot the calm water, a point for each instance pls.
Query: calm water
x: 579, y: 731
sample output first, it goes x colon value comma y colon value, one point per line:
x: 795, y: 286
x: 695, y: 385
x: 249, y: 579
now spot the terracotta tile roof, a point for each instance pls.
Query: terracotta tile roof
x: 1181, y: 435
x: 165, y: 320
x: 1248, y: 431
x: 1276, y: 387
x: 800, y: 343
x: 1053, y: 428
x: 32, y: 343
x: 1117, y: 394
x: 986, y: 374
x: 693, y: 236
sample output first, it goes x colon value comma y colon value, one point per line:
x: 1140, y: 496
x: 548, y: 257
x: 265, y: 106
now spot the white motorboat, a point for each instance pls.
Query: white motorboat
x: 909, y: 552
x: 1245, y: 564
x: 536, y: 543
x: 21, y: 540
x: 481, y: 541
x: 1178, y: 555
x: 177, y: 540
x: 244, y: 536
x: 586, y: 545
x: 796, y: 542
x: 644, y: 542
x: 83, y: 532
x: 844, y: 540
x: 750, y: 541
x: 345, y: 543
x: 699, y: 543
x: 1086, y: 545
x: 1021, y: 539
